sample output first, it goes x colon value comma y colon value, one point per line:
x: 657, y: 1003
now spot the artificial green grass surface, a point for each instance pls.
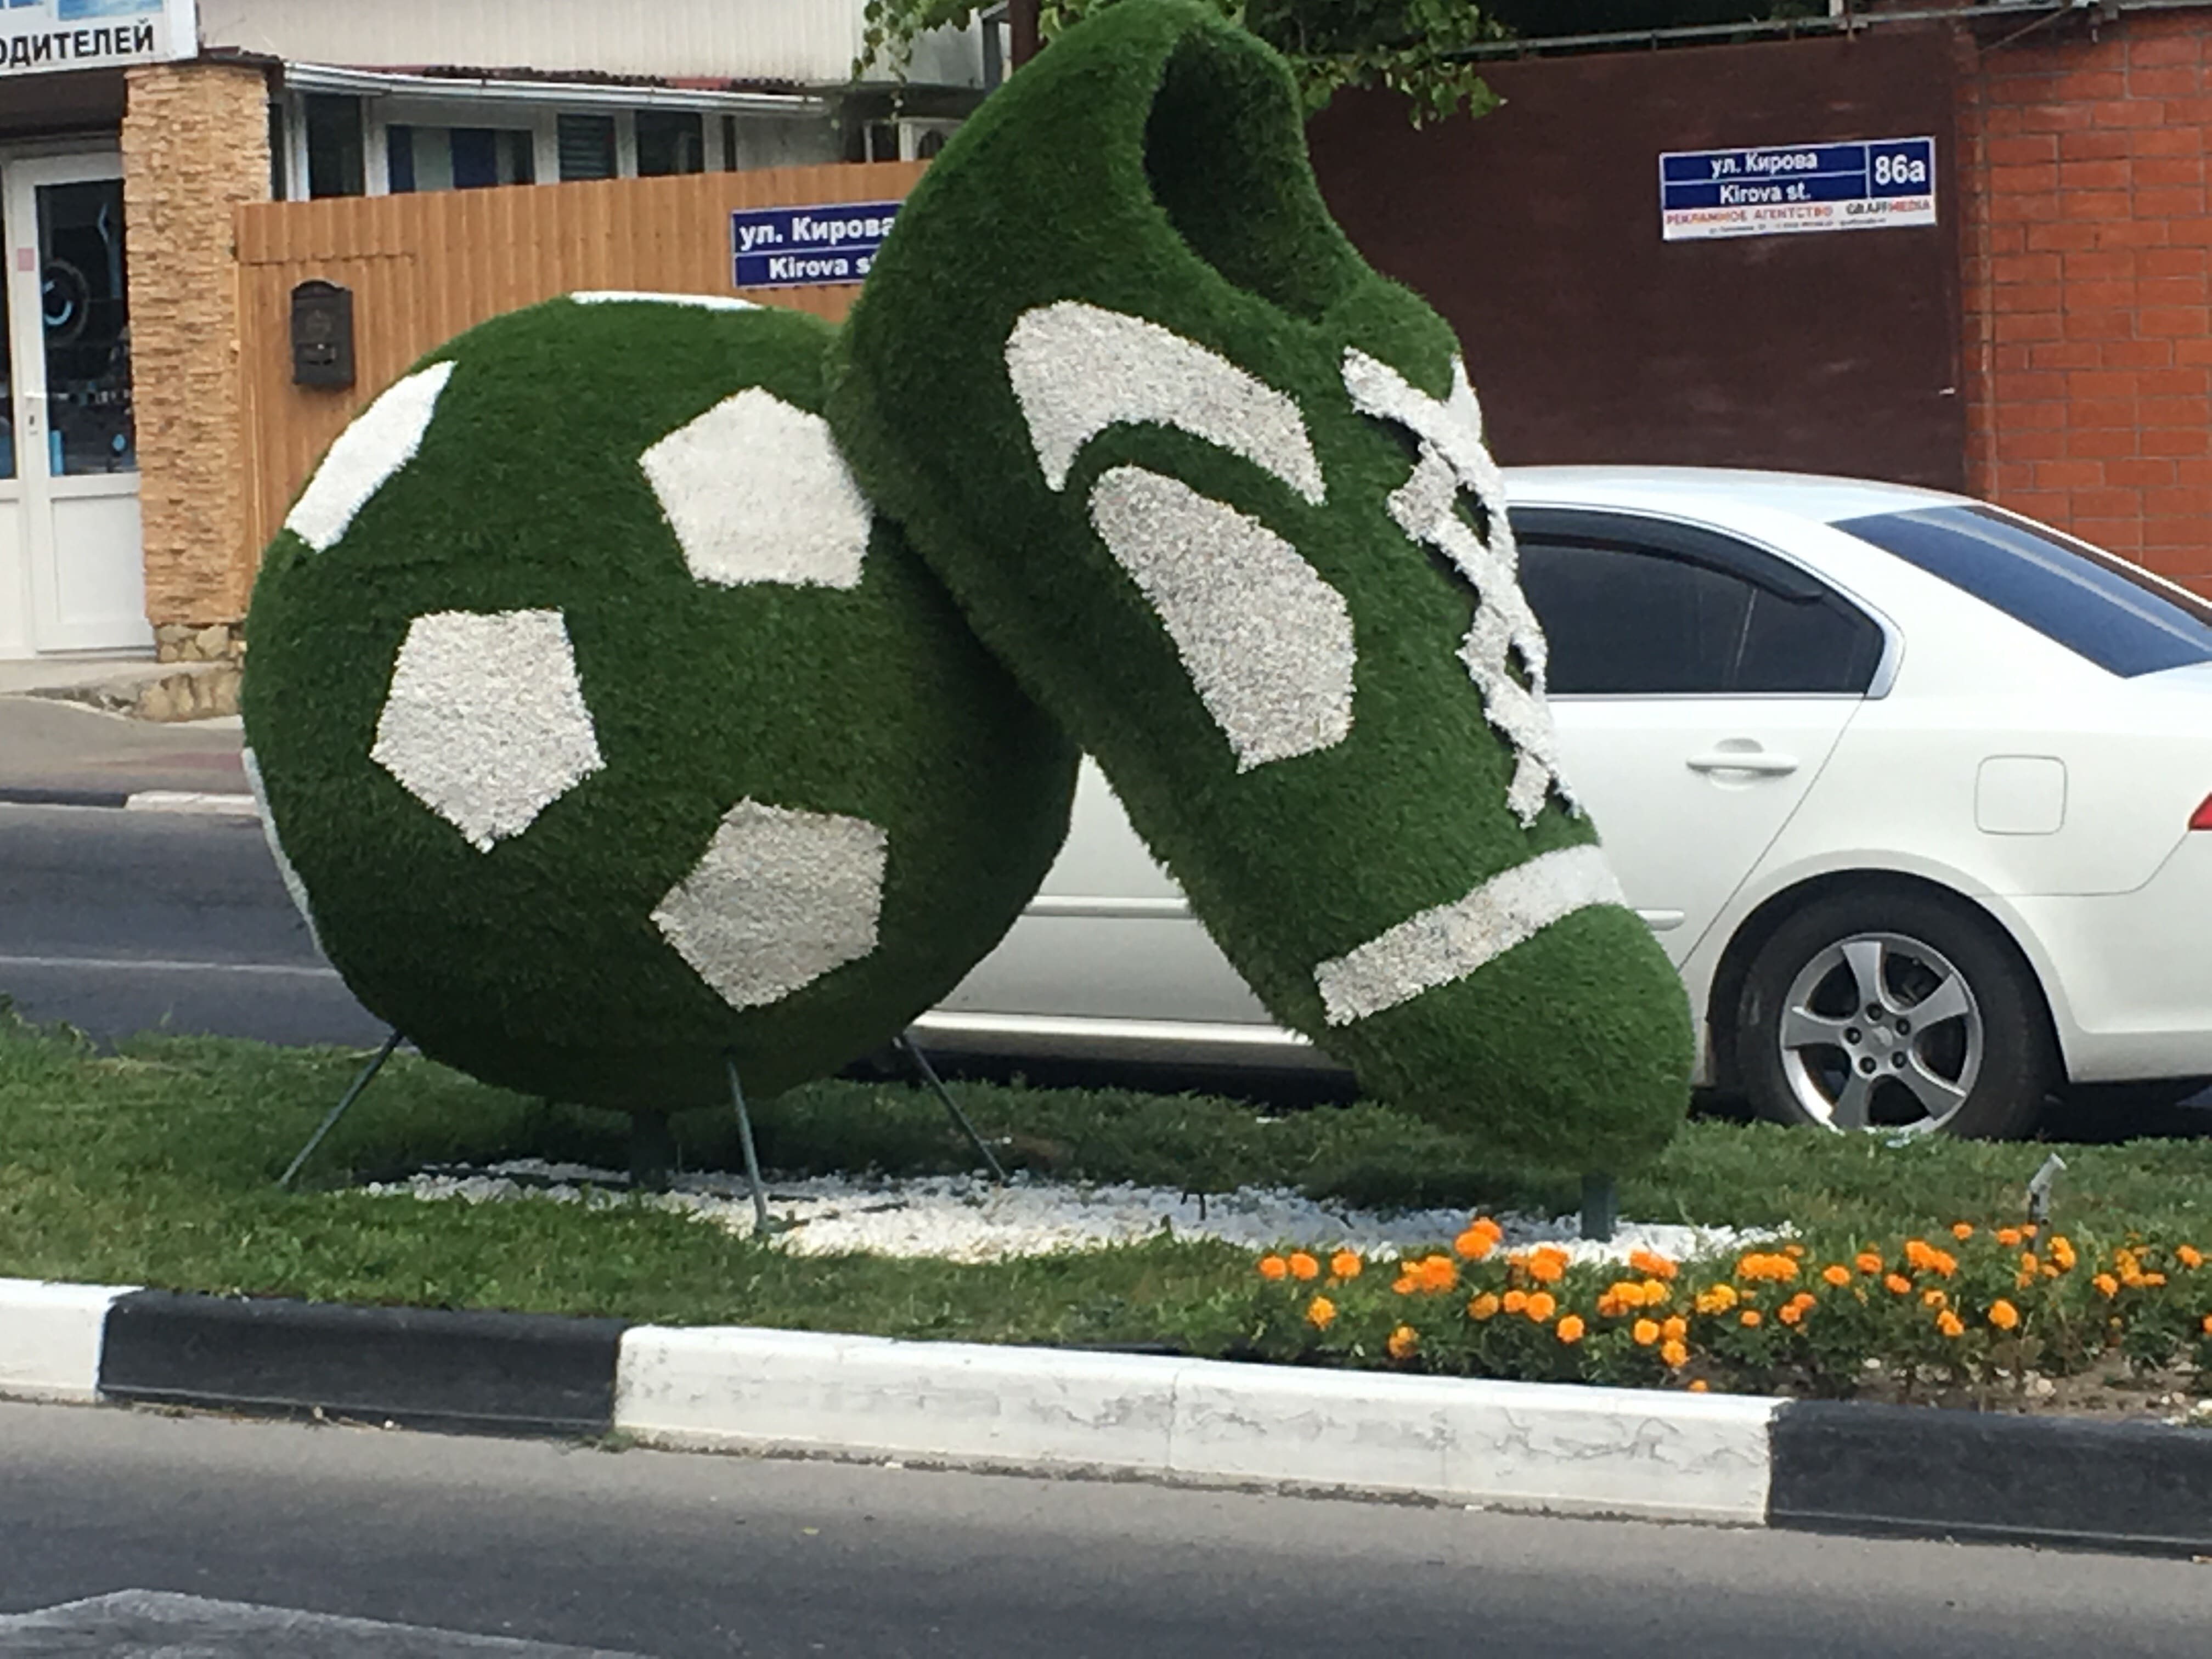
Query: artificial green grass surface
x: 156, y: 1165
x: 1151, y: 163
x: 537, y: 964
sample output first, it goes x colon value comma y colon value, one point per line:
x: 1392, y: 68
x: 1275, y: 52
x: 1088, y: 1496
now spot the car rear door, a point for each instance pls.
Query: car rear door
x: 1699, y: 684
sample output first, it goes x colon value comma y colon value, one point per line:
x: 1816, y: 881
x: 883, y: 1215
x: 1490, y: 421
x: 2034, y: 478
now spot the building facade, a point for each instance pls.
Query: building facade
x: 131, y: 130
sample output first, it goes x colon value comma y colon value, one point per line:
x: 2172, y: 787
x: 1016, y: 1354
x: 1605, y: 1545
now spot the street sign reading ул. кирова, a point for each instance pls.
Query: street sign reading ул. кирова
x: 1873, y: 183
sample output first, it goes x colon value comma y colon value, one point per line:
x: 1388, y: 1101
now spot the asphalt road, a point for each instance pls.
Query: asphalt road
x: 676, y: 1556
x: 120, y: 922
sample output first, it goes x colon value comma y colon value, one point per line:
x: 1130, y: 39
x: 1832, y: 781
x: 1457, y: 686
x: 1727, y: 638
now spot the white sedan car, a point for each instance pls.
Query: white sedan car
x: 1916, y: 794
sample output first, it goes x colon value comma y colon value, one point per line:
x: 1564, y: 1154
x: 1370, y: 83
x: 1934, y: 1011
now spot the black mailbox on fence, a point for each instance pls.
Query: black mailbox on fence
x: 322, y: 334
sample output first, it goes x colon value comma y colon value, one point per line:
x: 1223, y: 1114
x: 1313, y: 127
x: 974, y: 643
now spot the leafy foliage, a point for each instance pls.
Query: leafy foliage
x: 1405, y: 46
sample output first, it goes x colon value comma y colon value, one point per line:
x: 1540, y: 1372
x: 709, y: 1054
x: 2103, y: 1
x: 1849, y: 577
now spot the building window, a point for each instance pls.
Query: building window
x: 669, y: 141
x: 587, y: 147
x: 335, y: 152
x: 459, y: 158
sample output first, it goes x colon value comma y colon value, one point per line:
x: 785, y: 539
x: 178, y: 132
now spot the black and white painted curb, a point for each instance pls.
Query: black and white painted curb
x: 197, y: 802
x: 1724, y: 1459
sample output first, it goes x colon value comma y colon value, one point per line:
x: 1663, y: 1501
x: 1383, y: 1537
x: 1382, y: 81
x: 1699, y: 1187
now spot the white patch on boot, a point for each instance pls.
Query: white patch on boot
x: 1447, y: 942
x: 1077, y: 369
x: 779, y: 898
x: 1265, y: 642
x: 1453, y: 459
x: 485, y: 723
x: 382, y: 439
x: 756, y: 491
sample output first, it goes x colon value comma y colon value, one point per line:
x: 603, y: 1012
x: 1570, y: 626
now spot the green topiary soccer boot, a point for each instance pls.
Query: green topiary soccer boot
x: 1217, y: 493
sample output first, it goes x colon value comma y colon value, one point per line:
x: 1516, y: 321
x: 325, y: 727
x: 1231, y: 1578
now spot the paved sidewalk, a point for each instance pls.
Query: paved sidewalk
x: 59, y: 750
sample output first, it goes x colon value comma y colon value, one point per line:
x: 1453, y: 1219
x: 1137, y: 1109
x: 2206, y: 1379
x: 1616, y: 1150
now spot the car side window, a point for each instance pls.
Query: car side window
x: 1625, y: 622
x: 1627, y: 618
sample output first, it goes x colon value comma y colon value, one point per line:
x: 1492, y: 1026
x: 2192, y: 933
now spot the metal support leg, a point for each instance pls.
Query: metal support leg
x: 367, y: 1076
x: 752, y: 1158
x: 1601, y: 1208
x: 652, y: 1151
x: 907, y: 1046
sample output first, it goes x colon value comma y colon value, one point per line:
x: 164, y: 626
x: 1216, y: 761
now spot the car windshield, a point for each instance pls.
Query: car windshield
x: 2120, y: 618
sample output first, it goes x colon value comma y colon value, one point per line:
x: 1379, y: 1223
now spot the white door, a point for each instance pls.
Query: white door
x: 1699, y: 684
x: 71, y: 568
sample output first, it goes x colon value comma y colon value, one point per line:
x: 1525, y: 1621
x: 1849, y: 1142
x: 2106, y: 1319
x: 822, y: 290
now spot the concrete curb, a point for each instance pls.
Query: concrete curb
x: 1729, y: 1460
x: 206, y: 803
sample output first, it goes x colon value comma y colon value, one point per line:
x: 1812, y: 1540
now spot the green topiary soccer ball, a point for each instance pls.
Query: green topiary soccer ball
x: 603, y: 730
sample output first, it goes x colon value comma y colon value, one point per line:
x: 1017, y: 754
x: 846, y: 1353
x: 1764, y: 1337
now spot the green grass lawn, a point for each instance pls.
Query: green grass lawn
x: 156, y: 1165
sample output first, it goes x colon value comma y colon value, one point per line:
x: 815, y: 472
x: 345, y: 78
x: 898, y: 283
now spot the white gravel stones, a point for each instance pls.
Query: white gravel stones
x: 966, y: 1218
x: 779, y: 898
x: 1265, y: 642
x: 1077, y: 369
x: 485, y: 723
x: 382, y: 439
x: 756, y: 491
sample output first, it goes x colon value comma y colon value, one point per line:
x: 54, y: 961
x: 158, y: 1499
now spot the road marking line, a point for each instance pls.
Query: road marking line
x: 162, y: 965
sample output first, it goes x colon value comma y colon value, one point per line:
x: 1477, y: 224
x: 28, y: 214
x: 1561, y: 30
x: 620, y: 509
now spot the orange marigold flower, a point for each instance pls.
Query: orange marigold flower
x: 1548, y: 1264
x: 1674, y: 1329
x: 2189, y: 1256
x: 1675, y: 1354
x: 1790, y: 1313
x: 1320, y: 1313
x: 1651, y: 1264
x: 2003, y: 1315
x: 1897, y: 1283
x: 1483, y: 1223
x: 1748, y: 1319
x: 1475, y: 1244
x: 1305, y: 1267
x: 1756, y: 1266
x: 1404, y: 1285
x: 1344, y: 1264
x: 2207, y: 1326
x: 2153, y: 1278
x: 1645, y: 1331
x: 2062, y: 1252
x: 1962, y: 1229
x: 1867, y: 1262
x: 1515, y: 1301
x: 1273, y: 1267
x: 1949, y: 1323
x: 1836, y: 1274
x: 1795, y: 1250
x: 1934, y: 1299
x: 2028, y: 1264
x: 1698, y: 1385
x: 2107, y: 1287
x: 1435, y: 1272
x: 2009, y: 1237
x: 1483, y: 1306
x: 1569, y: 1329
x: 1655, y: 1292
x: 1719, y: 1300
x: 1403, y: 1342
x: 1541, y: 1306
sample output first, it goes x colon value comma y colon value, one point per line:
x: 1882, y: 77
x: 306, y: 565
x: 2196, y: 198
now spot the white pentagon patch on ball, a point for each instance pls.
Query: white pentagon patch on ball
x: 778, y: 899
x: 485, y: 723
x: 382, y: 439
x: 756, y: 491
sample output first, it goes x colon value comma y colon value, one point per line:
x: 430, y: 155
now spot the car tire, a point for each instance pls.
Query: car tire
x: 1893, y: 1009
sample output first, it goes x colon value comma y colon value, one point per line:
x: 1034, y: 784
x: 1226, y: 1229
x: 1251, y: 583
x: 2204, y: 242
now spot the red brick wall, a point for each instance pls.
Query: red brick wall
x: 2087, y: 296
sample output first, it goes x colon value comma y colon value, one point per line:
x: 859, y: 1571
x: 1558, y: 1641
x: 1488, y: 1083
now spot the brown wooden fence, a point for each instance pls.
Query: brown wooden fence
x: 424, y: 267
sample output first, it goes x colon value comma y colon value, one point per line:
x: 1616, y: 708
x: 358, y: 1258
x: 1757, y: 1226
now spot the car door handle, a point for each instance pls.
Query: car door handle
x: 1743, y: 760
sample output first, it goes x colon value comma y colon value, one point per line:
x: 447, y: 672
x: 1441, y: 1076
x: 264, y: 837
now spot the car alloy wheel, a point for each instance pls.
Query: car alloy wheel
x: 1881, y: 1031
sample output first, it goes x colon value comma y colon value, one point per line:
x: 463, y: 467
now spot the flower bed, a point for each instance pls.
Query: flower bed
x: 1989, y: 1310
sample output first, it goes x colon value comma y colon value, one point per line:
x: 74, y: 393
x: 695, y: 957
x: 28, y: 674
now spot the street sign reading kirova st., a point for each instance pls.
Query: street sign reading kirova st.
x: 1875, y: 183
x: 807, y: 247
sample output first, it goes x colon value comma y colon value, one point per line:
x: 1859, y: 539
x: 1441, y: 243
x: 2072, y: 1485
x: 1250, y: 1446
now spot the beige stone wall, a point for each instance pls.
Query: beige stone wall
x: 195, y: 143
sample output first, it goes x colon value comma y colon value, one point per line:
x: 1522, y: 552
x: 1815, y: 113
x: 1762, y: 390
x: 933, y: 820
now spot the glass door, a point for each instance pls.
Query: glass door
x: 73, y: 445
